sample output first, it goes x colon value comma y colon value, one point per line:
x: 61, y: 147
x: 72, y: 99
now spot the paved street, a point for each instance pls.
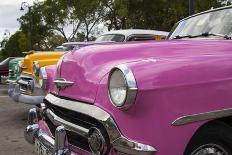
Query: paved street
x: 13, y: 117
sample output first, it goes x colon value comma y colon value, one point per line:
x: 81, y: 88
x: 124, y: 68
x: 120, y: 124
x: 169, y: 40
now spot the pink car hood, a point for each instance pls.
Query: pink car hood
x: 87, y: 66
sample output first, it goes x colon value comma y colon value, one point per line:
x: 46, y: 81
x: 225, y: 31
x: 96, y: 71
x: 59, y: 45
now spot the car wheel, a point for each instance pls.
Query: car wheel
x: 213, y: 139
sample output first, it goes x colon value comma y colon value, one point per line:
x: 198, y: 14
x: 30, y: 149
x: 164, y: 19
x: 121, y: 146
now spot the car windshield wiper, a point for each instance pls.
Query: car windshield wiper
x: 180, y: 37
x: 206, y: 34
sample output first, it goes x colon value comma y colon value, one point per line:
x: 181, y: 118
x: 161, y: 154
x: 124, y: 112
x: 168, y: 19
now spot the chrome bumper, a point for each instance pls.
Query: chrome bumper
x: 32, y: 131
x: 15, y: 92
x: 117, y: 141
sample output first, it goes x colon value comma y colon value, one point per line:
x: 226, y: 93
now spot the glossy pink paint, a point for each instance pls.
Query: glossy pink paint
x: 50, y: 70
x: 174, y: 78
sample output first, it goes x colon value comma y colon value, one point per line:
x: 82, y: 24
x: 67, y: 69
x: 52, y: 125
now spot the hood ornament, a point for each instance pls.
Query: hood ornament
x: 62, y: 83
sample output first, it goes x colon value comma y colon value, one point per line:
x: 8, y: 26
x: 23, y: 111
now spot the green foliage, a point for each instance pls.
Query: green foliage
x: 151, y: 14
x: 51, y: 41
x: 39, y: 29
x: 50, y: 18
x: 14, y: 46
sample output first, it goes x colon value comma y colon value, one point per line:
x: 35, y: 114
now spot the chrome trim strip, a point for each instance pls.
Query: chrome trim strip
x: 43, y: 78
x: 78, y: 106
x: 129, y: 76
x: 202, y: 117
x: 36, y: 68
x: 117, y: 140
x: 124, y: 146
x: 43, y: 73
x: 69, y: 126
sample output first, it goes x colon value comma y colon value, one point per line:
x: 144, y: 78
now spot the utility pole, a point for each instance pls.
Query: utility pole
x: 191, y: 7
x: 23, y: 6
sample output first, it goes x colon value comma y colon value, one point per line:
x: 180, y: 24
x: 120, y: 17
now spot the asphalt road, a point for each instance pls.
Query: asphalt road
x: 13, y: 118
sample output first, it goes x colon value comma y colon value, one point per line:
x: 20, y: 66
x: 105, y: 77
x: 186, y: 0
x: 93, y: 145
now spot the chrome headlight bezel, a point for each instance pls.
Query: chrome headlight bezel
x: 43, y: 78
x: 130, y: 84
x: 36, y: 68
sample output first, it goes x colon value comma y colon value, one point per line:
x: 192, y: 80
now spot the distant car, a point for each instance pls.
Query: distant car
x: 125, y: 35
x: 172, y: 97
x: 132, y: 35
x: 27, y: 88
x: 14, y: 69
x: 4, y: 67
x: 61, y: 48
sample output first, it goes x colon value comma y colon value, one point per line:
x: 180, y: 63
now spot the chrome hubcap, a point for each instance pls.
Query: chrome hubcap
x: 210, y: 149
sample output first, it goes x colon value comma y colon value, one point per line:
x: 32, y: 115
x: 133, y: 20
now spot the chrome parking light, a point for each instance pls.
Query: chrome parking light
x: 97, y: 142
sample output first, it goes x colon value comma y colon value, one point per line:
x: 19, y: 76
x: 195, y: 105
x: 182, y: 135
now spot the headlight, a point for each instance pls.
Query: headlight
x: 11, y: 72
x: 122, y: 87
x: 43, y: 78
x: 36, y: 68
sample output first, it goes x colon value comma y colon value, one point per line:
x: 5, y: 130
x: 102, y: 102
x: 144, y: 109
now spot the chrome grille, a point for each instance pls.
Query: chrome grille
x: 74, y: 138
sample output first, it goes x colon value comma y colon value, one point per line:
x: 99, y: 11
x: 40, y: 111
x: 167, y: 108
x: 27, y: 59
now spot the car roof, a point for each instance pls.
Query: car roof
x: 128, y: 32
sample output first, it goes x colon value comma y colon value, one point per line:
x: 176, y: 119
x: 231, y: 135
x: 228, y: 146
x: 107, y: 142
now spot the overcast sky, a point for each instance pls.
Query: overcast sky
x: 9, y: 12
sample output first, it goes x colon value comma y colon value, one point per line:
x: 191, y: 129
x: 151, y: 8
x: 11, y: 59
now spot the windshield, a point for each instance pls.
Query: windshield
x: 216, y: 22
x: 111, y: 37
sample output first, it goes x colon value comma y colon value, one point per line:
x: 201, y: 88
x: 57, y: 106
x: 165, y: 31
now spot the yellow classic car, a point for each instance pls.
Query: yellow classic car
x: 26, y: 89
x: 35, y: 60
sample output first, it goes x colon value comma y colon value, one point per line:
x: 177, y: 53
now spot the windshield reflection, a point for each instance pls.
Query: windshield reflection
x: 217, y: 22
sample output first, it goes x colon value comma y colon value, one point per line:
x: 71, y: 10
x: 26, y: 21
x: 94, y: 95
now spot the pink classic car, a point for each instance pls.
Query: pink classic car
x: 170, y: 97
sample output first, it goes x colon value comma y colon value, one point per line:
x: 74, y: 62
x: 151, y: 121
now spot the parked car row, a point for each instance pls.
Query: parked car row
x: 112, y: 96
x: 27, y: 87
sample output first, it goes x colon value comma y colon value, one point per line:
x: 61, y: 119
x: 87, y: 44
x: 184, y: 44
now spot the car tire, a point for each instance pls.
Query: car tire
x: 212, y: 139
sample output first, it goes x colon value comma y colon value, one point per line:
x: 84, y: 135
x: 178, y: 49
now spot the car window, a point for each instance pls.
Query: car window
x: 140, y: 37
x: 145, y: 37
x: 217, y: 22
x: 5, y: 61
x: 111, y: 37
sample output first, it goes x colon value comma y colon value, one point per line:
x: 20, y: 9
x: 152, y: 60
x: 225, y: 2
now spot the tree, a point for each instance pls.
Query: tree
x: 90, y: 13
x: 51, y: 41
x: 59, y: 15
x: 115, y: 12
x: 150, y: 14
x: 39, y: 28
x: 52, y: 17
x: 15, y: 45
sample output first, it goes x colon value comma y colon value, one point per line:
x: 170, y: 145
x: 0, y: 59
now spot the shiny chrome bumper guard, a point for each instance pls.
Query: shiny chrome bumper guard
x: 117, y: 141
x: 25, y: 90
x: 57, y: 146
